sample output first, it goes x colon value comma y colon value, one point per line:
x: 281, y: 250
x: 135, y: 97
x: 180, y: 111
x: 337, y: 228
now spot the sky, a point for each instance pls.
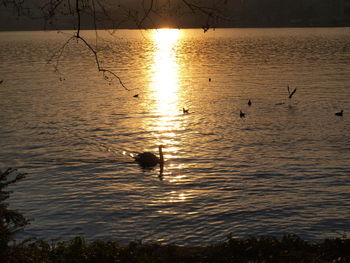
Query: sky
x: 174, y: 13
x: 125, y: 13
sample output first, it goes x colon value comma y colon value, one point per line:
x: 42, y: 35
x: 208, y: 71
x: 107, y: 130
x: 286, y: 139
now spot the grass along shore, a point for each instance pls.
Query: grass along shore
x: 290, y: 248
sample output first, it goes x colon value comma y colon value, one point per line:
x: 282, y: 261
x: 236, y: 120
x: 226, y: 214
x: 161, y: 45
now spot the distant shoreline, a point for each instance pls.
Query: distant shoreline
x: 130, y: 28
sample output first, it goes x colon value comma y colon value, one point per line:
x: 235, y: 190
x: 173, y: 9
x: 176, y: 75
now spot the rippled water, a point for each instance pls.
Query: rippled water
x: 284, y: 168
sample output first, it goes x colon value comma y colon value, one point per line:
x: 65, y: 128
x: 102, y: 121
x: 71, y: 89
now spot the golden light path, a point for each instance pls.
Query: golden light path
x: 165, y: 78
x: 165, y: 92
x: 165, y: 86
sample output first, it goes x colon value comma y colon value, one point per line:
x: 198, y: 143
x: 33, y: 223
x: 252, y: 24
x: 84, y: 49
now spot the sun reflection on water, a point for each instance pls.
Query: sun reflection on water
x: 164, y: 89
x: 167, y: 122
x: 165, y: 83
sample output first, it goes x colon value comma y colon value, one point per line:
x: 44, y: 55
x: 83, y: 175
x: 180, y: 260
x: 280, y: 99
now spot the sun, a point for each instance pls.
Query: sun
x: 166, y: 37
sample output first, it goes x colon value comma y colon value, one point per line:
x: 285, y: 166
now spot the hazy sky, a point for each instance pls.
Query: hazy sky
x: 125, y: 13
x: 174, y: 13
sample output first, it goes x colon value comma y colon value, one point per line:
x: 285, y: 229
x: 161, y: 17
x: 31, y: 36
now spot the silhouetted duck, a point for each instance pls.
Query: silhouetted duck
x: 209, y: 79
x: 185, y: 111
x: 241, y: 114
x: 206, y: 27
x: 249, y: 103
x: 291, y: 93
x: 136, y: 96
x: 148, y: 159
x: 340, y: 113
x: 1, y: 81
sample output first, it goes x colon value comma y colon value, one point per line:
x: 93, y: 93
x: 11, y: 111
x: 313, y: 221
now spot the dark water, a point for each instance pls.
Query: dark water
x: 283, y: 168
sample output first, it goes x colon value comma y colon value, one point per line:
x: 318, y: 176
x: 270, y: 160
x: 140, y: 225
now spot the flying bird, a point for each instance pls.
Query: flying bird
x: 185, y: 111
x: 291, y: 93
x: 340, y: 113
x: 148, y: 159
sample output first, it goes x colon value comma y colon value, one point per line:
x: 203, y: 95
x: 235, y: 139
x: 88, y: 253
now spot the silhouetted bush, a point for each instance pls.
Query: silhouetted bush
x: 10, y: 220
x: 289, y: 249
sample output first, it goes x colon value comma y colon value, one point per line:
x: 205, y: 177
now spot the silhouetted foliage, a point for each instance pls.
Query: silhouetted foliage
x: 10, y: 221
x: 290, y: 248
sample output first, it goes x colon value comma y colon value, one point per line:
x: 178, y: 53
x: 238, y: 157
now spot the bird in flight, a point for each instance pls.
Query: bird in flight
x: 291, y: 93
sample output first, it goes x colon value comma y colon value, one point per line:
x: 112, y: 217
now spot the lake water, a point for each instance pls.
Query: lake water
x: 284, y: 168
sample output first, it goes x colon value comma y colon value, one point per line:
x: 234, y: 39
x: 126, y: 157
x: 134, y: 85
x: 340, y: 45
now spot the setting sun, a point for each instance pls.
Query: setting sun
x: 166, y: 37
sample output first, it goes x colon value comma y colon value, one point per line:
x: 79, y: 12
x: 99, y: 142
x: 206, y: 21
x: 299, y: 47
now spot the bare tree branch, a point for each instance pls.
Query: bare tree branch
x: 97, y: 11
x: 59, y: 53
x: 103, y: 70
x: 147, y: 11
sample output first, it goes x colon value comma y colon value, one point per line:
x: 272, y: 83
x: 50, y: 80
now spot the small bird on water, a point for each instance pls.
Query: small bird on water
x: 249, y: 103
x: 241, y: 114
x: 340, y: 113
x: 185, y: 111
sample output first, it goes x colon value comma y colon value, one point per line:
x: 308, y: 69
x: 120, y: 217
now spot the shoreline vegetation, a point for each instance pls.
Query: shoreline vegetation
x: 290, y: 248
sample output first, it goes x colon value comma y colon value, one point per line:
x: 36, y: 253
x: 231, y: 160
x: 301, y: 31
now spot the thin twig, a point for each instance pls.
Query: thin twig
x: 103, y: 70
x: 59, y: 53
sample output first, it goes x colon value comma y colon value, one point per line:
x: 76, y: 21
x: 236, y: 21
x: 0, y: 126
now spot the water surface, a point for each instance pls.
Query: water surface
x: 283, y: 169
